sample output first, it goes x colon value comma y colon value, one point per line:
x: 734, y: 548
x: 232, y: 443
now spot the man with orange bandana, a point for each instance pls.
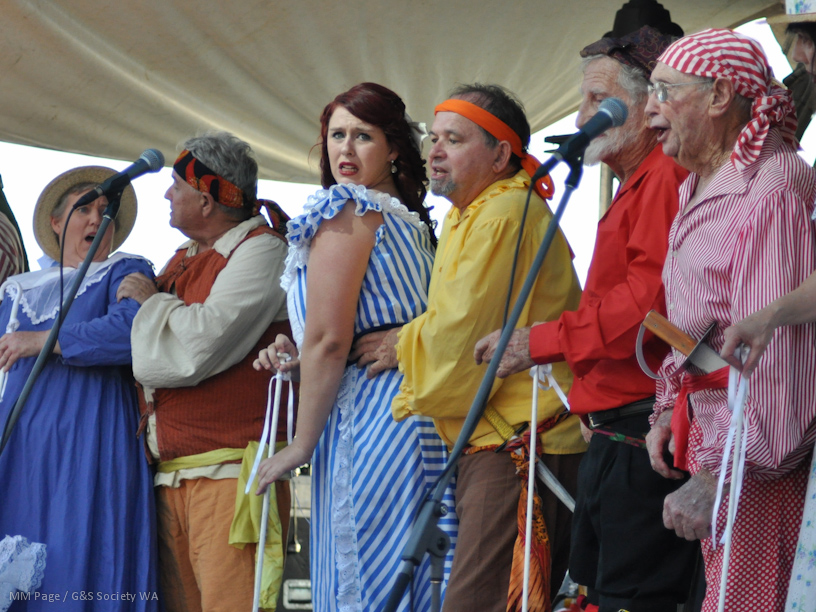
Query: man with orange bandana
x: 216, y: 305
x: 479, y: 162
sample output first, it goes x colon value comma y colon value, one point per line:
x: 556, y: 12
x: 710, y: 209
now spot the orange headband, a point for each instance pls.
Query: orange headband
x: 500, y: 131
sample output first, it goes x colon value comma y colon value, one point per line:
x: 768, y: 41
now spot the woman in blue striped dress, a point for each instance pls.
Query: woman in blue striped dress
x: 362, y: 252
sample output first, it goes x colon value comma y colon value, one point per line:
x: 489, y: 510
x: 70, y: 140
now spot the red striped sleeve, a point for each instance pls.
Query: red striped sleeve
x: 11, y: 251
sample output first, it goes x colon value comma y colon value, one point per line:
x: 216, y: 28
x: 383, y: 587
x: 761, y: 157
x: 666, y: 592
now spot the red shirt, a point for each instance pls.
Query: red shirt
x: 624, y: 283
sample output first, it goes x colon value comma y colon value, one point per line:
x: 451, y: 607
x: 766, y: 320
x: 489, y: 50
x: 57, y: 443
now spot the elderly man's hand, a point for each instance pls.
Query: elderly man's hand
x: 376, y: 350
x: 688, y: 511
x: 659, y: 441
x: 516, y: 357
x: 136, y: 286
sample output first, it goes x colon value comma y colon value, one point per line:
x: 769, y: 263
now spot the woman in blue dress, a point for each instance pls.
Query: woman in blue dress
x: 73, y: 475
x: 360, y: 260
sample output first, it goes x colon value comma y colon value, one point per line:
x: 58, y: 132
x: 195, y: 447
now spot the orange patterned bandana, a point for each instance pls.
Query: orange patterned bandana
x: 277, y: 217
x: 500, y: 131
x: 540, y: 553
x: 201, y: 178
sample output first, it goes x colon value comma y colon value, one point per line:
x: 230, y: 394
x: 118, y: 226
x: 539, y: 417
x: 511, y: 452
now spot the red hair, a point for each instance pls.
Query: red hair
x: 384, y: 109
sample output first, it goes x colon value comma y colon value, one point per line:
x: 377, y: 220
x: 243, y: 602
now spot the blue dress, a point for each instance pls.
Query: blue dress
x: 73, y: 474
x: 370, y: 474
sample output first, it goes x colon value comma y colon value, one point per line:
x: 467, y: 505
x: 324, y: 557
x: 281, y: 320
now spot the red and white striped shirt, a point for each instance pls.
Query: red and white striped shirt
x: 747, y: 241
x: 11, y: 251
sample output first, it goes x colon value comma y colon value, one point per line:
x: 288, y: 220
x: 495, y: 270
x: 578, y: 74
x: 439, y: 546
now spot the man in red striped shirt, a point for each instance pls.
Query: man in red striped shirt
x: 742, y: 238
x: 620, y: 548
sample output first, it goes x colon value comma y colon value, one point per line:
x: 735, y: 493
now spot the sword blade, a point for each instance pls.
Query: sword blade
x: 706, y: 358
x: 549, y: 479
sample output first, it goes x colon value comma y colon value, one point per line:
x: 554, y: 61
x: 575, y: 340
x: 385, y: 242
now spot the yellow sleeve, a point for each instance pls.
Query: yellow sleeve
x: 467, y: 302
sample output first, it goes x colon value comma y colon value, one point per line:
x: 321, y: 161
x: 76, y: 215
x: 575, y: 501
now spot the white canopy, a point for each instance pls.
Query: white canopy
x: 112, y: 78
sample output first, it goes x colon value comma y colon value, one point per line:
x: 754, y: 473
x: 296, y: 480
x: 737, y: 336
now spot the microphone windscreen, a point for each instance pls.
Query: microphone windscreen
x: 154, y: 159
x: 616, y: 109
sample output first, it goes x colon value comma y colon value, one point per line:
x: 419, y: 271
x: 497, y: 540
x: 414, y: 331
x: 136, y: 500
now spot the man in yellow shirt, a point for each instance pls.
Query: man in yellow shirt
x: 479, y: 140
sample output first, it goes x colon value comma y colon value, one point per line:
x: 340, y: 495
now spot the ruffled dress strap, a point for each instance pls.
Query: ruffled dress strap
x: 327, y: 204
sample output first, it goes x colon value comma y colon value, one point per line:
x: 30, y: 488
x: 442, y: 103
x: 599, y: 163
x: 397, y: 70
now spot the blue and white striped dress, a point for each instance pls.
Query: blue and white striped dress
x: 370, y: 474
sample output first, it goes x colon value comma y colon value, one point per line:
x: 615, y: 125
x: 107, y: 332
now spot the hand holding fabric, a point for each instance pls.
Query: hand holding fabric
x: 136, y: 286
x: 755, y: 332
x: 377, y: 351
x: 516, y: 357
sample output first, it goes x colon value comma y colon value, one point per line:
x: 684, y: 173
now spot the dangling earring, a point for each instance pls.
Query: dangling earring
x: 393, y: 167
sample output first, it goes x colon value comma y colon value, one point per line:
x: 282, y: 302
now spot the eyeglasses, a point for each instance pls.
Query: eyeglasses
x: 661, y: 89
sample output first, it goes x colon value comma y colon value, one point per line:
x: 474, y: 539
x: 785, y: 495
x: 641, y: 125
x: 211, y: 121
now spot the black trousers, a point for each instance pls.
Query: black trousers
x: 620, y: 548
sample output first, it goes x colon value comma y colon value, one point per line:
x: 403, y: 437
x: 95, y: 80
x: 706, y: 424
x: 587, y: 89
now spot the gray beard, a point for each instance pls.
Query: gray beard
x: 615, y: 142
x: 443, y: 187
x: 598, y: 150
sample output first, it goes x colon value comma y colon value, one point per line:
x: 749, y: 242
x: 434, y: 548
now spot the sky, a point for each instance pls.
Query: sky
x: 27, y: 170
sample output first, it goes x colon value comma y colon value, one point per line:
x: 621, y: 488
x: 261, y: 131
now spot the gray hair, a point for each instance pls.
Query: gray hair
x: 745, y: 107
x: 230, y: 157
x: 634, y: 81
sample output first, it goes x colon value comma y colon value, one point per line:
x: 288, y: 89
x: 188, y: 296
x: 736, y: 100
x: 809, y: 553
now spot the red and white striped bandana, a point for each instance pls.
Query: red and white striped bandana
x: 726, y: 54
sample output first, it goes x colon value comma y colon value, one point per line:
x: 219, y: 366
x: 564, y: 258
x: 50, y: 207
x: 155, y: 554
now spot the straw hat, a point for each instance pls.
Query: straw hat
x: 56, y: 189
x: 796, y: 11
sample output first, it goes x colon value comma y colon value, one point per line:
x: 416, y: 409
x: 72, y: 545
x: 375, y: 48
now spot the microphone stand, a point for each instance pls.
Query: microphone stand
x: 109, y: 215
x: 426, y: 535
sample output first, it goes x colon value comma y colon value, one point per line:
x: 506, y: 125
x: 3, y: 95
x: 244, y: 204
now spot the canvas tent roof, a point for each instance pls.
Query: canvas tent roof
x: 112, y: 78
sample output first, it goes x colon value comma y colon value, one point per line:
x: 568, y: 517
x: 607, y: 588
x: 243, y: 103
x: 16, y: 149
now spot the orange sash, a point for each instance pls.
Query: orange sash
x: 540, y: 554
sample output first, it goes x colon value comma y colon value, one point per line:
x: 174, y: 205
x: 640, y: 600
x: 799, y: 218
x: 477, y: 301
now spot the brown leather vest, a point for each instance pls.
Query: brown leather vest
x: 226, y: 410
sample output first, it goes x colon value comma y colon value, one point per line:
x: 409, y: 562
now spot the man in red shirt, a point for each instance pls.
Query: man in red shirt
x: 620, y: 547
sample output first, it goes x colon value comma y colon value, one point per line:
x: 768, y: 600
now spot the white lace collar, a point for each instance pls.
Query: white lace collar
x: 40, y: 297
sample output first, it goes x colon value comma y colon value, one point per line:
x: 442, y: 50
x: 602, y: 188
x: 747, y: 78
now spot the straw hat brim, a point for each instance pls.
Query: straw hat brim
x: 56, y: 189
x: 780, y: 23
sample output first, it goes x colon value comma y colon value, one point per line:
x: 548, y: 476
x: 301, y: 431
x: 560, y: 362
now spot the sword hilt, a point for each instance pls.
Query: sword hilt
x: 664, y: 329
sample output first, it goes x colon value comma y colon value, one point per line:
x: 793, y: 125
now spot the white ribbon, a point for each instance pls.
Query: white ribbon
x: 738, y: 436
x: 13, y: 323
x: 273, y: 408
x: 546, y: 370
x: 270, y: 429
x: 528, y: 530
x: 542, y: 471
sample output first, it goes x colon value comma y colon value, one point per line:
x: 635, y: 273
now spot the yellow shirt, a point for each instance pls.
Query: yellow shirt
x: 466, y: 302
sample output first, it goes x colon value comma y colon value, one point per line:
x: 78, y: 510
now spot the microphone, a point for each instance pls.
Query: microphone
x: 612, y: 112
x: 151, y: 160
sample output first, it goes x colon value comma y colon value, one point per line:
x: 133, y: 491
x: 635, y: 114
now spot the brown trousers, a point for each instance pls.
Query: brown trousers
x: 200, y: 570
x: 487, y: 497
